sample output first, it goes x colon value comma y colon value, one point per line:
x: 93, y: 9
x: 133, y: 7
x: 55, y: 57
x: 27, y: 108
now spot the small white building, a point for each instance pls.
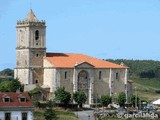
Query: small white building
x: 15, y: 106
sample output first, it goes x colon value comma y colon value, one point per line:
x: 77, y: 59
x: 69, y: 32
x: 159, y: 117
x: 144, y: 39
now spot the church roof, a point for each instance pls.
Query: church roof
x: 70, y: 60
x: 31, y: 17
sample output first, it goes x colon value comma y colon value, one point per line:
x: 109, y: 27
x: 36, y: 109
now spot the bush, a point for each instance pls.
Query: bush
x: 62, y: 96
x: 49, y: 114
x: 36, y: 103
x: 105, y: 100
x: 50, y: 103
x: 121, y: 99
x: 80, y: 98
x: 34, y: 91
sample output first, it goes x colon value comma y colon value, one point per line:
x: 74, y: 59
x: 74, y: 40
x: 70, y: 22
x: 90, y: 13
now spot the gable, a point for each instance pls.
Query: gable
x: 84, y: 65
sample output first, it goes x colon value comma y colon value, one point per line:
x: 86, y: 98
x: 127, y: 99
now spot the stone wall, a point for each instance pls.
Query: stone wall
x: 98, y: 86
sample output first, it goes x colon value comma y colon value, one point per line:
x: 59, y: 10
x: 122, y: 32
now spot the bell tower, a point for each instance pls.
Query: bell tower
x: 30, y: 50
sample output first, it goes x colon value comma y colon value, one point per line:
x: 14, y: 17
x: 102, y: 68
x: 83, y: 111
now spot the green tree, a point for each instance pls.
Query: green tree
x: 50, y: 103
x: 62, y: 96
x: 49, y: 114
x: 4, y: 86
x: 10, y: 86
x: 140, y: 68
x: 105, y: 100
x: 34, y: 91
x: 36, y: 103
x: 135, y: 100
x: 121, y: 99
x: 80, y: 98
x: 15, y: 84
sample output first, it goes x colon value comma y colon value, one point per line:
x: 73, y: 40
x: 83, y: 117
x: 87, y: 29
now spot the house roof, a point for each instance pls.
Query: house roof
x: 14, y: 99
x: 70, y: 60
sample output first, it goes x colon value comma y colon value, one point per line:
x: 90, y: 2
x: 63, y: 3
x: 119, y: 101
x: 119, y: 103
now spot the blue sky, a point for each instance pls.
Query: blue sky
x: 116, y: 29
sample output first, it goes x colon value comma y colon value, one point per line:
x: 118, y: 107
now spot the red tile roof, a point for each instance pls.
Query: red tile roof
x: 14, y: 99
x: 68, y: 60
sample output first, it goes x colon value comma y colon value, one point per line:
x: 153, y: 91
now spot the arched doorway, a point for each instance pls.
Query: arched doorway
x: 83, y: 82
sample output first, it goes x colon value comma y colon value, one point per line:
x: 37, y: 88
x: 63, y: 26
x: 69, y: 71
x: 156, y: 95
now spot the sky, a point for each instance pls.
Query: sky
x: 105, y: 29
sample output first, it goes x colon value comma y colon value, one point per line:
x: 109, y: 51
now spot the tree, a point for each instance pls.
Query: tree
x: 34, y: 91
x: 10, y: 86
x: 4, y: 86
x: 121, y: 99
x: 105, y: 100
x: 62, y: 95
x: 15, y: 84
x: 49, y: 114
x: 36, y: 103
x: 134, y: 100
x: 50, y: 103
x: 140, y: 68
x: 80, y: 98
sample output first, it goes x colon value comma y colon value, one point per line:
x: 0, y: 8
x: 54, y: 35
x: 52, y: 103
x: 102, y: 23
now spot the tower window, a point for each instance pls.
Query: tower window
x: 37, y: 55
x: 36, y: 81
x: 36, y: 35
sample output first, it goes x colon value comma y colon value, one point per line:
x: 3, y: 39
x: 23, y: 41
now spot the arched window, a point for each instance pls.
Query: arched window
x: 83, y: 81
x: 36, y: 35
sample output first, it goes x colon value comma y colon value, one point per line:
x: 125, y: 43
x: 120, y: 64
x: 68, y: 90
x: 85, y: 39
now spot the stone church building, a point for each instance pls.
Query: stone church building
x: 76, y: 72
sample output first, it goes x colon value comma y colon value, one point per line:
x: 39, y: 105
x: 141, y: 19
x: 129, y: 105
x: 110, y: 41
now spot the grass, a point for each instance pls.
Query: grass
x: 151, y: 83
x: 38, y: 115
x: 66, y: 115
x: 126, y: 119
x: 146, y: 88
x: 61, y: 114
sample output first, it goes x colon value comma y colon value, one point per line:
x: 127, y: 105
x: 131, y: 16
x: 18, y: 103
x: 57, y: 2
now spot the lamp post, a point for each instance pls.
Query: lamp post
x: 135, y: 98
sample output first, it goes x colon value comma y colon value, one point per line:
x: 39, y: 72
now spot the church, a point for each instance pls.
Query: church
x: 75, y: 72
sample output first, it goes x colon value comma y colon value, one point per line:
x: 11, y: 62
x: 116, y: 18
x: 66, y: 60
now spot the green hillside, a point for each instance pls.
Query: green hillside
x: 146, y: 77
x: 147, y: 89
